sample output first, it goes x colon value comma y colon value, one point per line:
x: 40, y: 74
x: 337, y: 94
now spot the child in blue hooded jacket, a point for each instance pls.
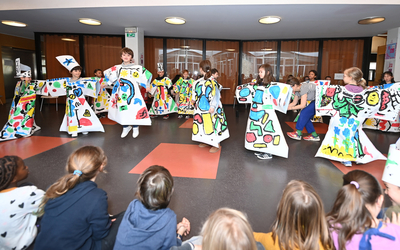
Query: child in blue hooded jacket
x: 148, y: 223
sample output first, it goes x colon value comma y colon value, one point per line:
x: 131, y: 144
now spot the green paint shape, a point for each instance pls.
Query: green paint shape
x: 56, y: 84
x: 269, y: 127
x: 268, y: 106
x: 10, y: 129
x: 18, y: 111
x: 98, y: 105
x: 124, y: 97
x: 256, y: 127
x: 90, y: 86
x: 147, y: 73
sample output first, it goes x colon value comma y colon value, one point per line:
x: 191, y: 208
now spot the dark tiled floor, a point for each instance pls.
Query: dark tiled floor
x: 243, y: 182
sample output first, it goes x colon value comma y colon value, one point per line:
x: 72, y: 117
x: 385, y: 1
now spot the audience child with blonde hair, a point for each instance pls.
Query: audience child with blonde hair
x: 300, y: 222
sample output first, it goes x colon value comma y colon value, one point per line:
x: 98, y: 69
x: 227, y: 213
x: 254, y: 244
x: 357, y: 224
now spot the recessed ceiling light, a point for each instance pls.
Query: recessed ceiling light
x: 230, y: 49
x: 175, y: 20
x: 371, y: 20
x: 13, y: 23
x: 89, y: 21
x: 269, y: 19
x: 185, y: 46
x: 68, y: 39
x: 266, y: 49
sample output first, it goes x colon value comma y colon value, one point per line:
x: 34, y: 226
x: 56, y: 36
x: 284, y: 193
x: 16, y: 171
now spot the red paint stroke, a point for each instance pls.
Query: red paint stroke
x: 54, y: 90
x: 142, y: 113
x: 20, y: 117
x: 275, y: 102
x: 250, y: 137
x: 85, y: 122
x: 367, y: 153
x: 16, y: 124
x: 268, y: 138
x: 81, y: 100
x: 198, y: 118
x: 29, y: 123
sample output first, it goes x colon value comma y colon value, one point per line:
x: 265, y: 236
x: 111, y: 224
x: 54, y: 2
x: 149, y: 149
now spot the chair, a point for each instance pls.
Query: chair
x: 49, y: 97
x: 1, y: 100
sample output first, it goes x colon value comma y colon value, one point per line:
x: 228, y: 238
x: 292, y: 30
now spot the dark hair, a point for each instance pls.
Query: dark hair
x: 155, y: 187
x: 205, y: 65
x: 293, y: 81
x: 8, y: 170
x: 213, y: 71
x: 315, y: 73
x: 95, y: 71
x: 390, y: 74
x: 349, y: 214
x: 126, y: 50
x: 76, y: 68
x: 268, y: 78
x: 328, y: 77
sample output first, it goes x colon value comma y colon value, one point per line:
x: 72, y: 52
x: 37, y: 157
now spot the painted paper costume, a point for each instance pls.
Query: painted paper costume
x: 21, y: 121
x: 315, y: 118
x: 380, y: 124
x: 345, y: 139
x: 127, y: 106
x: 208, y: 128
x: 79, y: 117
x: 183, y: 88
x: 163, y: 104
x: 102, y: 101
x: 263, y: 131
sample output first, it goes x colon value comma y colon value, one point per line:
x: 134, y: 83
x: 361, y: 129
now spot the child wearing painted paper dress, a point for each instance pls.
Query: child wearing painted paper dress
x: 163, y: 103
x: 353, y: 219
x: 21, y: 122
x: 19, y: 205
x: 263, y: 133
x: 127, y: 106
x: 209, y: 122
x: 79, y: 116
x: 101, y: 103
x: 345, y: 140
x: 183, y: 88
x: 306, y: 93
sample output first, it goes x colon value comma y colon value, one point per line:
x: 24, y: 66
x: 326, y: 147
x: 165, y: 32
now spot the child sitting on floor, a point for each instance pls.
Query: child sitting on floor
x: 148, y: 223
x: 18, y: 205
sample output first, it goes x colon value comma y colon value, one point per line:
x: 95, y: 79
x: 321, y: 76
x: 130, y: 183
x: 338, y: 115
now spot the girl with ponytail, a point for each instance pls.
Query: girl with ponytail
x: 209, y: 121
x: 74, y: 210
x: 353, y: 218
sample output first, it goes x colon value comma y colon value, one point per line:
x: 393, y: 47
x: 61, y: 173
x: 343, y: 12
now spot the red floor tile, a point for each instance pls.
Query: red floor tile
x: 191, y: 161
x: 107, y: 121
x: 375, y: 168
x: 320, y: 128
x: 187, y: 124
x: 30, y: 146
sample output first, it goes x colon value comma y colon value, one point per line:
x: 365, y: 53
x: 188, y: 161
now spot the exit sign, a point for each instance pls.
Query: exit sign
x: 130, y: 35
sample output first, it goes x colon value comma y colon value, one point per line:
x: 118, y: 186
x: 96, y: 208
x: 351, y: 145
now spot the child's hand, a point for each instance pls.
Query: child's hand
x: 211, y: 110
x: 183, y: 227
x: 395, y: 219
x: 147, y: 89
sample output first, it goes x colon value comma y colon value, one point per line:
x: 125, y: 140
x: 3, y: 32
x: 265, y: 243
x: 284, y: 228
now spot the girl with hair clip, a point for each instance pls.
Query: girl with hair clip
x: 353, y: 219
x: 300, y: 221
x: 209, y: 121
x: 263, y: 133
x: 225, y: 229
x: 74, y: 210
x: 183, y: 88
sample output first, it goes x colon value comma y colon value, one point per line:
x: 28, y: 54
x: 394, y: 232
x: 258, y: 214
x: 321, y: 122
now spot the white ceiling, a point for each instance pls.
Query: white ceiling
x: 218, y: 19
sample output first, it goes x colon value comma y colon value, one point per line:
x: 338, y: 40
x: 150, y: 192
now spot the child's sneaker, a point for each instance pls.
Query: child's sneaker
x: 187, y: 117
x: 135, y: 132
x: 180, y: 116
x: 153, y: 116
x: 347, y: 163
x: 258, y: 153
x: 166, y: 117
x: 310, y: 137
x: 264, y: 156
x: 294, y: 135
x: 125, y: 131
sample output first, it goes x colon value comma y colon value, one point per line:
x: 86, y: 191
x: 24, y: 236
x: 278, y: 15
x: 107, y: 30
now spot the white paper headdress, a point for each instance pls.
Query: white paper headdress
x: 391, y: 174
x: 67, y: 61
x: 160, y: 67
x: 22, y: 70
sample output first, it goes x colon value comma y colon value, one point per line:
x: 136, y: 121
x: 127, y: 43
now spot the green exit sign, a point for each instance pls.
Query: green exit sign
x: 130, y: 35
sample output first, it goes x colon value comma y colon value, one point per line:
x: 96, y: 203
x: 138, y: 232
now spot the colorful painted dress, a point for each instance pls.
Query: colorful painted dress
x: 209, y: 128
x: 345, y: 139
x: 183, y: 87
x: 79, y: 117
x: 162, y: 103
x: 102, y: 101
x: 127, y: 106
x: 380, y: 124
x: 21, y: 121
x: 263, y: 131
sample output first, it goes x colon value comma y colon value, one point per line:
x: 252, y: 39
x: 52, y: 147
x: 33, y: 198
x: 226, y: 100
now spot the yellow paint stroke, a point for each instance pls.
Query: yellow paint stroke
x: 260, y: 145
x: 285, y: 89
x: 338, y: 152
x: 208, y: 125
x: 265, y: 118
x: 277, y: 139
x: 195, y: 129
x: 72, y: 128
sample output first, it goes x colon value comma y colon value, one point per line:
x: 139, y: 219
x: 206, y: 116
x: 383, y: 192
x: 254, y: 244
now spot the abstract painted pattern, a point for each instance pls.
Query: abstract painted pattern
x: 102, y: 101
x: 184, y: 89
x: 263, y: 131
x: 163, y: 103
x: 127, y: 106
x: 209, y: 128
x: 345, y: 139
x: 315, y: 118
x: 79, y: 117
x: 380, y: 124
x: 21, y: 121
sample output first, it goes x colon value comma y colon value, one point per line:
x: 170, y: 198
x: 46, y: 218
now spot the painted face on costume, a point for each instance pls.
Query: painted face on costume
x: 98, y: 73
x: 185, y: 75
x: 311, y: 76
x: 261, y: 73
x: 126, y: 58
x: 76, y: 73
x: 393, y: 192
x: 387, y: 78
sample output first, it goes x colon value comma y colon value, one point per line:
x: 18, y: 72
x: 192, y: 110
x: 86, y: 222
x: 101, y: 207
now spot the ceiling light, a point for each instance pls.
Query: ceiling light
x: 269, y: 19
x: 185, y: 46
x: 68, y: 39
x: 371, y: 20
x: 13, y: 23
x: 89, y: 21
x: 230, y: 49
x: 266, y: 49
x: 175, y: 20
